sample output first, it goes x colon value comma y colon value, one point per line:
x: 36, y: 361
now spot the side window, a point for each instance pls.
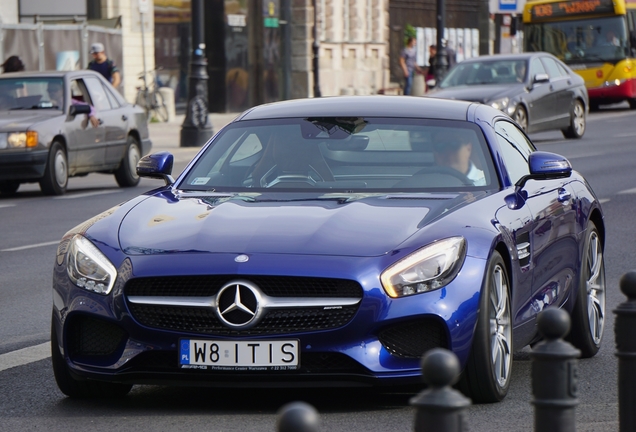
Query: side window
x: 97, y: 94
x: 536, y: 67
x: 552, y: 68
x: 515, y: 149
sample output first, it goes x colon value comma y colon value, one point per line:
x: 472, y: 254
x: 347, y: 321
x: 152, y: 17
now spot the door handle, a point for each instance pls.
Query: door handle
x: 564, y: 195
x: 124, y: 117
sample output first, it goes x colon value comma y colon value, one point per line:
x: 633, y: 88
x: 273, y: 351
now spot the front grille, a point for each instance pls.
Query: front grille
x: 412, y: 339
x: 204, y: 320
x: 274, y: 286
x: 88, y: 336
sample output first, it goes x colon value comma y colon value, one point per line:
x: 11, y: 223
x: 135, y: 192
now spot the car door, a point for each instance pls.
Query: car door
x: 553, y: 247
x: 112, y: 120
x: 540, y: 98
x: 85, y: 141
x: 560, y: 86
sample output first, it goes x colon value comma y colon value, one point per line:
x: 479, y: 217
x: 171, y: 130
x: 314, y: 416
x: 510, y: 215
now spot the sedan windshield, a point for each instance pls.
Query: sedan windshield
x: 486, y: 72
x: 31, y: 93
x: 351, y: 154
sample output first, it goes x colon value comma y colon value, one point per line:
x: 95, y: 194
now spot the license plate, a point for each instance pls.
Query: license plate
x: 239, y: 355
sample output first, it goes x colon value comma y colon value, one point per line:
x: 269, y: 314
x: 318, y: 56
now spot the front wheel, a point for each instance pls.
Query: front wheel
x: 632, y: 103
x: 55, y: 177
x: 588, y: 315
x: 9, y: 187
x: 577, y: 121
x: 486, y: 377
x: 126, y: 174
x: 521, y: 117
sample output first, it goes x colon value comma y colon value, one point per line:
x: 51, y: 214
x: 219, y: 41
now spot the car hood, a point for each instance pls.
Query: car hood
x: 483, y: 94
x: 20, y: 120
x: 323, y: 225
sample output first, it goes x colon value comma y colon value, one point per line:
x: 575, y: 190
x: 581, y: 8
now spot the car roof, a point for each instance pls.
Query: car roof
x: 362, y: 106
x: 517, y: 56
x: 49, y: 74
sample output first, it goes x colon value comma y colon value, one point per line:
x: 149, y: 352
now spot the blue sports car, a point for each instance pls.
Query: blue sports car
x: 331, y: 242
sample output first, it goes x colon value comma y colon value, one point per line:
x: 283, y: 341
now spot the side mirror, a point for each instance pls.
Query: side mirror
x: 157, y: 165
x: 540, y: 78
x: 79, y: 109
x: 546, y: 166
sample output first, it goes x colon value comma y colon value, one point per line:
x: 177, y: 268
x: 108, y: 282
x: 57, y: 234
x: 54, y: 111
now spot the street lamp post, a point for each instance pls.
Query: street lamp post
x: 196, y: 128
x: 441, y: 58
x: 316, y: 51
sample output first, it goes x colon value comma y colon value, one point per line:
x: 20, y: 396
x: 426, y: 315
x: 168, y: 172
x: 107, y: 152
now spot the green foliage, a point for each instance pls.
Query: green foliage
x: 409, y: 32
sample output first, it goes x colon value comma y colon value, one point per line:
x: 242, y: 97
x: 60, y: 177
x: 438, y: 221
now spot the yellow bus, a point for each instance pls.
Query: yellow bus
x: 596, y: 38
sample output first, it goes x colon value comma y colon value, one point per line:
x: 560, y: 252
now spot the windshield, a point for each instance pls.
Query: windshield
x: 486, y: 72
x: 580, y: 41
x: 31, y: 93
x: 344, y: 154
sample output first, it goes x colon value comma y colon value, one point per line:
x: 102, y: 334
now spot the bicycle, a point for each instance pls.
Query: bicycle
x: 150, y: 98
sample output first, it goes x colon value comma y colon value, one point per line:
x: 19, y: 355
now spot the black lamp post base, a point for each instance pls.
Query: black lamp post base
x: 195, y: 137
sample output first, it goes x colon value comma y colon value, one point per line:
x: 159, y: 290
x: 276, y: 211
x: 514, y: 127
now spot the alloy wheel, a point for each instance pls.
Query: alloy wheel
x: 578, y: 122
x: 595, y: 285
x: 500, y: 326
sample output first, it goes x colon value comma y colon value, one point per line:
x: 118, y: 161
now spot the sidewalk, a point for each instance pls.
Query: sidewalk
x: 167, y: 136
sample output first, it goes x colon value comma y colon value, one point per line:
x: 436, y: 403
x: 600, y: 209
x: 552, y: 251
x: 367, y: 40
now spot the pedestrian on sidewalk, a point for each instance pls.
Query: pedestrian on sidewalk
x: 105, y: 66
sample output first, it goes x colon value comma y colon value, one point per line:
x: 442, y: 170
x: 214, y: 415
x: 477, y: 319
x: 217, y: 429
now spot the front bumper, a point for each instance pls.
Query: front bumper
x: 102, y: 338
x: 22, y: 164
x: 613, y: 92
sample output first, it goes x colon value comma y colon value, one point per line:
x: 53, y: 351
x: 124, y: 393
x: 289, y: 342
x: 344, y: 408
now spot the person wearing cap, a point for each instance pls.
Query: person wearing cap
x: 453, y: 149
x: 102, y: 64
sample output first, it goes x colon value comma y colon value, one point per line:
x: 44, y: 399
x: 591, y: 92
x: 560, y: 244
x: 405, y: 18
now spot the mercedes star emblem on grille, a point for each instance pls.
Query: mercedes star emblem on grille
x: 237, y: 304
x: 242, y: 258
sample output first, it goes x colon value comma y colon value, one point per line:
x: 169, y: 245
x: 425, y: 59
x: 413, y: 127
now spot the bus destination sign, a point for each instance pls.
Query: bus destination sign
x: 571, y: 8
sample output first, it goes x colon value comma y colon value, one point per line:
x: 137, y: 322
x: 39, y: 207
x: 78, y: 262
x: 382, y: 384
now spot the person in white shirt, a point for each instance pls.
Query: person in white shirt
x: 453, y: 149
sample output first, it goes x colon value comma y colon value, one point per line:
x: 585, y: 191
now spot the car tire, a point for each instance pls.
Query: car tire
x: 74, y: 388
x: 486, y: 377
x: 55, y: 178
x: 126, y: 174
x: 588, y: 314
x: 632, y: 103
x: 521, y: 117
x: 577, y: 121
x: 9, y: 187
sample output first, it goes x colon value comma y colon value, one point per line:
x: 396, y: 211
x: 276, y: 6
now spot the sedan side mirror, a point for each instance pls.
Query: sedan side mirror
x: 157, y: 165
x: 546, y: 166
x: 80, y: 109
x: 541, y: 78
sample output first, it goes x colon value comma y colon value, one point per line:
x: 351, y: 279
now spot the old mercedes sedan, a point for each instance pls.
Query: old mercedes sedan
x: 60, y: 124
x: 332, y: 242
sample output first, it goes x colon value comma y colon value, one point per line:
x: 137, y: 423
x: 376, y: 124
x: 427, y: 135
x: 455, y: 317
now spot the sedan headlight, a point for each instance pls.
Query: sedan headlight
x: 500, y: 104
x: 427, y: 269
x: 88, y: 268
x: 22, y: 139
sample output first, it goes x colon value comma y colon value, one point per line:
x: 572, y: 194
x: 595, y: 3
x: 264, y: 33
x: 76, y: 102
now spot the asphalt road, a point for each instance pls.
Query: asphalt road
x: 29, y: 399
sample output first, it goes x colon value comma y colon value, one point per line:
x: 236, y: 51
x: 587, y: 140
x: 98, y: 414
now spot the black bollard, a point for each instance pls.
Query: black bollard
x: 440, y: 408
x: 625, y: 336
x: 297, y: 417
x: 554, y: 374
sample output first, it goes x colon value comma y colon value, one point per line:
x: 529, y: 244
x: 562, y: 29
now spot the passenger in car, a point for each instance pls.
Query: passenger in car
x: 56, y: 95
x: 453, y: 148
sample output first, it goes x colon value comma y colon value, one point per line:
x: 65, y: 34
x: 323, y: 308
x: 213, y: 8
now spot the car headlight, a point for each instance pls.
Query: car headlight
x: 427, y: 269
x: 22, y: 139
x: 500, y: 104
x: 88, y: 268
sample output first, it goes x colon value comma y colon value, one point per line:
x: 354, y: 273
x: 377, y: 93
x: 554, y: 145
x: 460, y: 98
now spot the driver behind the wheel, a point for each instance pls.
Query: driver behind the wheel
x: 452, y: 148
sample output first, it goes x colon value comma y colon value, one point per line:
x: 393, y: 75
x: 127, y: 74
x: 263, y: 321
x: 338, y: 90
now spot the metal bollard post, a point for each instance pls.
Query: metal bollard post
x: 440, y: 408
x: 625, y: 336
x: 554, y: 374
x: 297, y: 417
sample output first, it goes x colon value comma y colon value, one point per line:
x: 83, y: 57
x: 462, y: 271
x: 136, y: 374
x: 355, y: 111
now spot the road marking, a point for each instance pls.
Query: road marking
x: 30, y: 246
x: 627, y: 191
x: 604, y: 200
x: 87, y: 194
x: 7, y: 205
x: 25, y: 356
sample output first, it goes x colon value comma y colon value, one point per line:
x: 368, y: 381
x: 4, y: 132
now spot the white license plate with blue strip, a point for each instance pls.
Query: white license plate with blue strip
x: 239, y: 355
